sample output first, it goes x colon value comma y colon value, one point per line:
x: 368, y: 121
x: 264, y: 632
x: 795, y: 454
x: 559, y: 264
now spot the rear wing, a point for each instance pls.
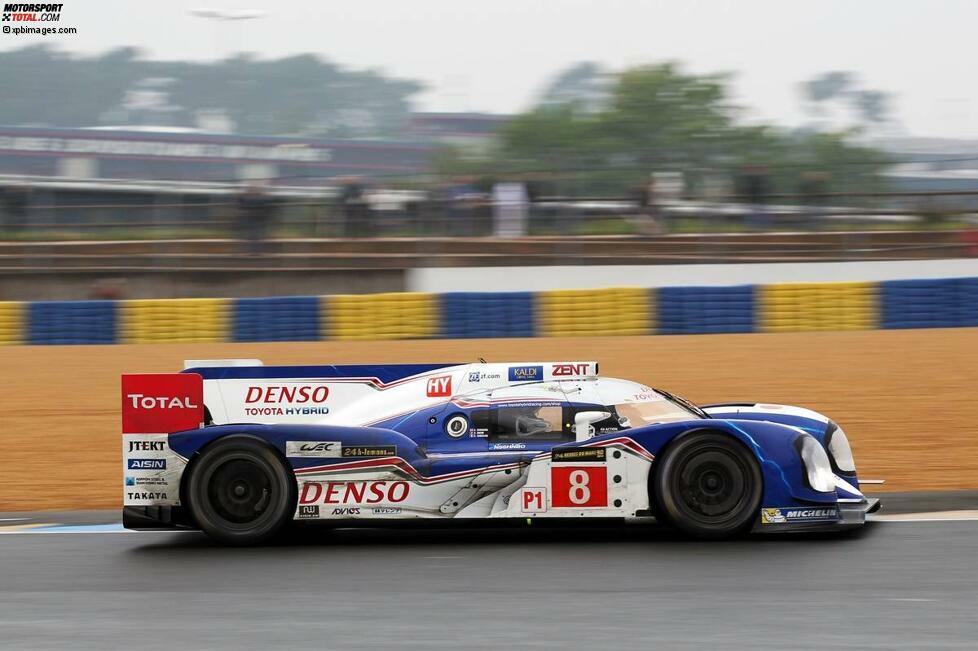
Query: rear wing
x: 161, y: 403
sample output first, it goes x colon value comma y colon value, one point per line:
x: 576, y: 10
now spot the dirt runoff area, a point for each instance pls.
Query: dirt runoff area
x: 907, y: 399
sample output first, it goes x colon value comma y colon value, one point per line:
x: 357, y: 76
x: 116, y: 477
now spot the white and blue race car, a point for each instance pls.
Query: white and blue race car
x: 241, y: 450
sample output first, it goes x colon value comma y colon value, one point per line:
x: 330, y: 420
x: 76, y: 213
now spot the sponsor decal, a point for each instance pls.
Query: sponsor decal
x: 525, y: 373
x: 799, y: 514
x: 387, y: 510
x: 162, y: 403
x: 138, y: 495
x: 146, y: 464
x: 474, y: 376
x: 477, y: 376
x: 478, y: 432
x: 354, y: 492
x: 579, y: 486
x: 286, y: 400
x: 580, y: 454
x: 440, y: 387
x: 317, y: 449
x: 145, y: 481
x: 533, y: 500
x: 346, y: 510
x: 146, y: 446
x: 508, y: 446
x: 569, y: 369
x: 308, y: 512
x: 369, y: 450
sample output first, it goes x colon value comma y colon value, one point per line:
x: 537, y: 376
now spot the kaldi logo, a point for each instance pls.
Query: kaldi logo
x: 569, y: 369
x: 440, y: 387
x: 162, y: 403
x: 292, y: 395
x: 355, y: 492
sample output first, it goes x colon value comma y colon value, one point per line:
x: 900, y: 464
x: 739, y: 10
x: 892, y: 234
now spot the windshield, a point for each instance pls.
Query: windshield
x: 638, y: 414
x: 637, y: 405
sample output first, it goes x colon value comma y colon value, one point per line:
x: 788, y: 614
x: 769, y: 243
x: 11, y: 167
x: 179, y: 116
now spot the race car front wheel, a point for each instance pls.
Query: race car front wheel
x: 708, y: 485
x: 240, y: 491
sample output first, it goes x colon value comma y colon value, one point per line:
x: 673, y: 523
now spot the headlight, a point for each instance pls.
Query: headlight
x: 840, y: 454
x: 818, y: 468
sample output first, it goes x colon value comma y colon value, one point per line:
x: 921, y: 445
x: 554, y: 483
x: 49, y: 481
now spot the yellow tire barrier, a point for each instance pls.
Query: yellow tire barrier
x: 381, y: 316
x: 13, y: 326
x: 589, y: 312
x: 183, y: 320
x: 797, y: 307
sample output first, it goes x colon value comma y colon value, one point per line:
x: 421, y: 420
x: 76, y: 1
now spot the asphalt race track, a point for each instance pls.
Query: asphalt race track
x: 893, y: 585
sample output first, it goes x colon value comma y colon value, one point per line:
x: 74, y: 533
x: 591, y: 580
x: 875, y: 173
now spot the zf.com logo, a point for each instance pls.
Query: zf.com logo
x: 31, y: 13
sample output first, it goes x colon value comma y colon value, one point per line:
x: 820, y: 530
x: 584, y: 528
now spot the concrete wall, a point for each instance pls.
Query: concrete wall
x: 62, y: 285
x: 502, y: 279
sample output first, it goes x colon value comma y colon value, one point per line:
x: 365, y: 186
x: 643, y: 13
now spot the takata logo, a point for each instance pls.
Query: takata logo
x: 440, y: 387
x: 162, y: 403
x: 569, y: 369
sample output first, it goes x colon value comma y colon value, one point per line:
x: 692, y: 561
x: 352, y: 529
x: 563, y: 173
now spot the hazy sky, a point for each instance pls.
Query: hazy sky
x: 496, y: 55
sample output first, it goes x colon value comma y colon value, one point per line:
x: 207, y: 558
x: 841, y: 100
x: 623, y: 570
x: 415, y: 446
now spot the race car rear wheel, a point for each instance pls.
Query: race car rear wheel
x: 240, y: 491
x: 708, y: 485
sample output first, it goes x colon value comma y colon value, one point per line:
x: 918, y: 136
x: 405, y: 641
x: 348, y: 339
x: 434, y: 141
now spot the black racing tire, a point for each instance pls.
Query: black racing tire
x: 240, y: 491
x: 708, y: 485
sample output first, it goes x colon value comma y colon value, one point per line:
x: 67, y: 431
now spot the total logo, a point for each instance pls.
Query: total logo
x: 140, y: 401
x: 354, y: 492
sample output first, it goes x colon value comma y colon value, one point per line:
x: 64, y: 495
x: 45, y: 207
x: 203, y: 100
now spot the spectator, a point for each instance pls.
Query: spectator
x: 15, y: 202
x: 254, y: 208
x: 754, y: 187
x: 354, y: 208
x: 812, y: 188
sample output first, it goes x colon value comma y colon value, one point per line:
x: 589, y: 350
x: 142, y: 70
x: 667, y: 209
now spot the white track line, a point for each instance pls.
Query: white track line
x: 933, y: 516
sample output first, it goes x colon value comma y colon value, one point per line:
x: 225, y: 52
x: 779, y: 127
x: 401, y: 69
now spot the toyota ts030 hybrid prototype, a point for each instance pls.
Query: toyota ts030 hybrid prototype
x: 240, y: 450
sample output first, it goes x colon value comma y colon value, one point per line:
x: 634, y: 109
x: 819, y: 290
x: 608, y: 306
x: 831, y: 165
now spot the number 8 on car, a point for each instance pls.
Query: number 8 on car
x: 579, y: 486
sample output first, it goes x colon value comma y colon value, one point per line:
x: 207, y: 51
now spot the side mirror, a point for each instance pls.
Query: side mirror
x: 583, y: 430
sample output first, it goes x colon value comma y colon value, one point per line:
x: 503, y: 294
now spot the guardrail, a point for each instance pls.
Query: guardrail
x: 790, y: 307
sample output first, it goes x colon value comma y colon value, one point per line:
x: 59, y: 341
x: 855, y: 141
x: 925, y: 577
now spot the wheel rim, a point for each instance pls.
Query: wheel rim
x: 239, y: 490
x: 712, y: 485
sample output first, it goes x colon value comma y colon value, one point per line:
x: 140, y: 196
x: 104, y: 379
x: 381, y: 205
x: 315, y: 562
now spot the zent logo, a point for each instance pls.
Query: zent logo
x: 579, y: 486
x: 440, y: 387
x: 162, y: 403
x: 569, y: 369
